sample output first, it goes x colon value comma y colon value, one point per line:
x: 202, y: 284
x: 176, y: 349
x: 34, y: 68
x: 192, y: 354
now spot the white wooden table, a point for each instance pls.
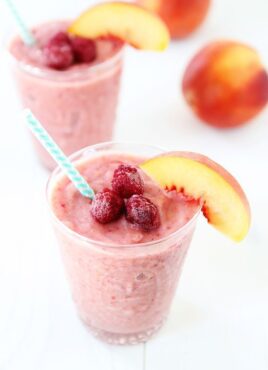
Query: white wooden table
x: 219, y: 316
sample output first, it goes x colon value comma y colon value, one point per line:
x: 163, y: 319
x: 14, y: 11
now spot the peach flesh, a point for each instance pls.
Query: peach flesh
x: 120, y: 20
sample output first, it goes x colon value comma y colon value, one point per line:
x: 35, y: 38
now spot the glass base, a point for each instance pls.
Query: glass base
x: 123, y: 339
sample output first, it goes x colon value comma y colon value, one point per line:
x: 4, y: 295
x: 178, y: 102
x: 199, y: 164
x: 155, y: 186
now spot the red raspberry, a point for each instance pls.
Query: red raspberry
x: 106, y: 206
x: 142, y: 212
x: 84, y: 50
x: 58, y: 52
x: 59, y: 38
x: 127, y: 181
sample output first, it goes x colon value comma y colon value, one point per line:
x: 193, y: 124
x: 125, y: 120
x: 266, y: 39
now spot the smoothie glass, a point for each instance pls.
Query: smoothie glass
x: 123, y: 293
x: 76, y: 106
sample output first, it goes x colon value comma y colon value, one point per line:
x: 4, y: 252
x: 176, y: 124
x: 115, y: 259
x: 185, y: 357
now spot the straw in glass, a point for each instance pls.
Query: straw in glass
x: 73, y: 174
x: 24, y: 32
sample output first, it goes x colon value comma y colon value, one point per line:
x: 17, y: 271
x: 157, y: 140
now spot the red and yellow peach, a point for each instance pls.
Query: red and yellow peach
x: 182, y: 17
x: 226, y: 84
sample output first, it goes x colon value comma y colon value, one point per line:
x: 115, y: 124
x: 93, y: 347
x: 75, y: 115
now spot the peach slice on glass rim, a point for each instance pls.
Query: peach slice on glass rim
x: 128, y: 22
x: 225, y: 205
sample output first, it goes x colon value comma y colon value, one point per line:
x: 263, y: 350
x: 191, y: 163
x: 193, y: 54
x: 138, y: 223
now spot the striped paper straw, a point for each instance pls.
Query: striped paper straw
x: 55, y: 152
x: 24, y: 32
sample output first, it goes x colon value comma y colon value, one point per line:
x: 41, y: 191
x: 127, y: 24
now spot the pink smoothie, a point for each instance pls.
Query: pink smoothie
x: 77, y: 105
x: 123, y: 279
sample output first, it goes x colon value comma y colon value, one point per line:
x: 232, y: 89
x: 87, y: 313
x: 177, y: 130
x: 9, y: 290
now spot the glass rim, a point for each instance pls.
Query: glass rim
x: 99, y: 243
x: 65, y: 75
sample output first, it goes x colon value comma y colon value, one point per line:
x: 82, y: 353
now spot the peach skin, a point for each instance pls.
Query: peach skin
x: 182, y: 17
x: 226, y: 84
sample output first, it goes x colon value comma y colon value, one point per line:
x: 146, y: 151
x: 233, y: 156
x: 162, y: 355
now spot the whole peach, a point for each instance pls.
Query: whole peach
x: 181, y: 16
x: 226, y: 84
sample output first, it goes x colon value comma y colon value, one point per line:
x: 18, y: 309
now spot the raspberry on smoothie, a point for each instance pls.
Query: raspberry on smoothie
x: 106, y: 206
x: 142, y: 212
x: 62, y: 51
x: 127, y: 181
x: 58, y: 52
x: 128, y: 216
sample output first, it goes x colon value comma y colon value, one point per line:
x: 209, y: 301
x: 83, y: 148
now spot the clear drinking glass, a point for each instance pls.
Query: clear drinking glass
x: 76, y: 106
x: 123, y: 293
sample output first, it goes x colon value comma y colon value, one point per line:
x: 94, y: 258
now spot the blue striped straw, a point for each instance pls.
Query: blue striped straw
x: 55, y: 152
x: 25, y: 34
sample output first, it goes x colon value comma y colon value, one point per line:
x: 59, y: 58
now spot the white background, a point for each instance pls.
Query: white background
x: 219, y: 316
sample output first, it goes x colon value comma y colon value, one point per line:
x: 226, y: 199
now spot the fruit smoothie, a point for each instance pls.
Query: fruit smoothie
x: 71, y: 84
x: 123, y: 252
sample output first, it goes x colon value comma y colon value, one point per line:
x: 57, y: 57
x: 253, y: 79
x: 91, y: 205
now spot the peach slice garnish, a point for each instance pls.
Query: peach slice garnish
x: 131, y: 23
x: 225, y: 205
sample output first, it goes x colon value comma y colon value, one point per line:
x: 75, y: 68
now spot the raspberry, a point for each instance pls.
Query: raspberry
x: 142, y: 212
x: 106, y: 206
x: 58, y: 52
x: 84, y: 50
x: 59, y: 38
x: 127, y: 181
